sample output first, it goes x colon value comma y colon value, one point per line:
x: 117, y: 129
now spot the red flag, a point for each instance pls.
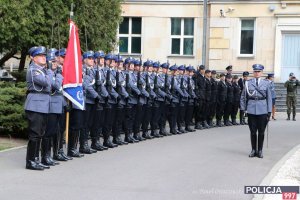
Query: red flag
x: 72, y: 69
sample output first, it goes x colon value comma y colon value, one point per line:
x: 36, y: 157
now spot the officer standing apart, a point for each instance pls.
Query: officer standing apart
x: 256, y: 100
x: 270, y: 77
x: 37, y: 104
x: 291, y: 97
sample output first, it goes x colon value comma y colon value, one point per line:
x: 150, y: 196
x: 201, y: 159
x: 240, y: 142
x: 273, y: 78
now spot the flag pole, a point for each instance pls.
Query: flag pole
x: 68, y: 101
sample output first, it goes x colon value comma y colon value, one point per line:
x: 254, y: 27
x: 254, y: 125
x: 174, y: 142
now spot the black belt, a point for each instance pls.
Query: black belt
x: 257, y: 98
x: 37, y: 92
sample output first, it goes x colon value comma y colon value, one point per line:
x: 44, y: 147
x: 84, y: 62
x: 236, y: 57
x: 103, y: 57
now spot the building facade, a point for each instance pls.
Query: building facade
x: 239, y: 33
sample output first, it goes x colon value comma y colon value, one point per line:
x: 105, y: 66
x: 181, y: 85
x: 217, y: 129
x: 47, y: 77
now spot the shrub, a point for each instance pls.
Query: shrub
x: 12, y: 115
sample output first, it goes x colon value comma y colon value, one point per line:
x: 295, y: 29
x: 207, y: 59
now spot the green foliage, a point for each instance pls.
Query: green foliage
x: 20, y: 76
x: 25, y: 23
x: 12, y: 116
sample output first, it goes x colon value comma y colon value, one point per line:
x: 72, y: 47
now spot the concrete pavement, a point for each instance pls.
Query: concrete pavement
x: 207, y: 164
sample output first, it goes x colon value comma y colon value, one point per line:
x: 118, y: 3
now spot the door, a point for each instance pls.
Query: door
x: 290, y: 59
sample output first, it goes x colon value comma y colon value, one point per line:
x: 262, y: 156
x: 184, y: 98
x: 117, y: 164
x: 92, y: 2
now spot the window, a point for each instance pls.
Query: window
x: 130, y: 31
x: 247, y: 37
x: 182, y: 36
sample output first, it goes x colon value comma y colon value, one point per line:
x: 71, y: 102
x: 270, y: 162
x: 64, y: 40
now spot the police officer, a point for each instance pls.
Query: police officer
x: 241, y: 83
x: 176, y: 93
x: 58, y: 139
x: 229, y: 70
x: 164, y: 107
x: 55, y: 110
x: 207, y: 98
x: 270, y: 77
x: 99, y: 86
x: 213, y: 99
x: 113, y: 99
x: 256, y: 100
x: 37, y: 104
x: 182, y: 80
x: 200, y: 86
x: 91, y: 98
x: 142, y: 100
x: 236, y: 99
x: 131, y: 107
x: 191, y: 100
x: 149, y: 79
x: 221, y: 99
x: 159, y: 101
x: 229, y: 101
x: 291, y: 97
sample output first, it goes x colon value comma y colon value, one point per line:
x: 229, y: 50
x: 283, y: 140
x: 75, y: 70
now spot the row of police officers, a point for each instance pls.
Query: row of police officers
x: 121, y: 96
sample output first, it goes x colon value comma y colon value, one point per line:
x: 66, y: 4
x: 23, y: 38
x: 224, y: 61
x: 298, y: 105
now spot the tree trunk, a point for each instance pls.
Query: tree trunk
x: 7, y: 56
x: 23, y: 60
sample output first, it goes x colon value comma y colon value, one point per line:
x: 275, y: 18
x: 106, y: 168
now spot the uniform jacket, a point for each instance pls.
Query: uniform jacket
x: 253, y: 101
x: 132, y: 85
x: 207, y: 90
x: 120, y: 88
x: 39, y: 81
x: 149, y: 79
x: 176, y: 90
x: 236, y: 92
x: 89, y: 80
x: 99, y: 85
x: 191, y: 91
x: 200, y: 85
x: 272, y: 87
x: 222, y: 92
x: 291, y: 86
x: 142, y: 87
x: 229, y: 92
x: 56, y: 98
x: 182, y: 80
x: 159, y: 87
x: 214, y: 90
x: 110, y: 84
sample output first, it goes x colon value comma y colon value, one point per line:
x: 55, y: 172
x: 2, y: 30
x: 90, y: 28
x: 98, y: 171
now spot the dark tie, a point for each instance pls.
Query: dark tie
x: 256, y: 81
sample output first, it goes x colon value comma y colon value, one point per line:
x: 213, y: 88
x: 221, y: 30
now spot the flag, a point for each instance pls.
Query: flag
x: 72, y: 69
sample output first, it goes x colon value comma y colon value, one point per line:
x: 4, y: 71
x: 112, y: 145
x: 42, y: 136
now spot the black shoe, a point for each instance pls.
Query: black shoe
x: 85, y: 149
x: 205, y: 125
x: 147, y: 135
x: 74, y: 153
x: 53, y: 161
x: 182, y: 130
x: 252, y: 154
x: 260, y: 154
x: 46, y: 150
x: 59, y: 157
x: 155, y: 134
x: 41, y: 164
x: 33, y: 165
x: 109, y: 144
x: 97, y: 145
x: 189, y: 129
x: 61, y: 152
x: 198, y: 126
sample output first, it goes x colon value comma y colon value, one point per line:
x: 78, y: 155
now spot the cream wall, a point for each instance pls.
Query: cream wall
x: 225, y: 35
x: 156, y: 30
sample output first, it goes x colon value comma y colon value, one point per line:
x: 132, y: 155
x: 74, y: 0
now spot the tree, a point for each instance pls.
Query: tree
x: 27, y: 23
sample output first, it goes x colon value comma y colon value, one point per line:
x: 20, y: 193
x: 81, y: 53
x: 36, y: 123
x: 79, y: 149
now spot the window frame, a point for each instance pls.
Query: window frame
x: 240, y: 37
x: 182, y: 37
x: 130, y: 35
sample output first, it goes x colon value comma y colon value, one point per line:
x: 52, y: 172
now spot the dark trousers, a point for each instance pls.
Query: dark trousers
x: 37, y: 123
x: 52, y: 124
x: 147, y: 117
x: 164, y: 111
x: 173, y: 116
x: 181, y: 114
x: 206, y: 111
x: 156, y: 112
x: 228, y: 110
x: 189, y: 114
x: 120, y: 113
x: 235, y: 109
x: 76, y: 119
x: 98, y: 122
x: 109, y: 112
x: 128, y: 124
x: 220, y: 110
x: 257, y: 124
x: 138, y: 118
x: 212, y: 110
x: 199, y: 109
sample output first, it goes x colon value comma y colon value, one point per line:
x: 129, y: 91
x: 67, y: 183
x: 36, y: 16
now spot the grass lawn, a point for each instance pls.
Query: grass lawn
x: 7, y: 143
